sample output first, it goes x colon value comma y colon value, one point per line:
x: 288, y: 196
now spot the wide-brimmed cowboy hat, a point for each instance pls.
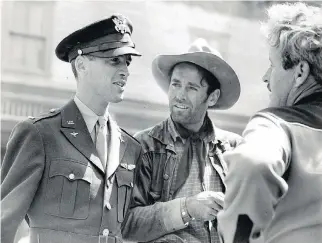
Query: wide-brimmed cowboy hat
x: 201, y: 54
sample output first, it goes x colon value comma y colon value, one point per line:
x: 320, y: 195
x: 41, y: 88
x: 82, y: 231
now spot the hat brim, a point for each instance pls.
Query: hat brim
x: 125, y: 50
x: 62, y: 52
x: 229, y: 83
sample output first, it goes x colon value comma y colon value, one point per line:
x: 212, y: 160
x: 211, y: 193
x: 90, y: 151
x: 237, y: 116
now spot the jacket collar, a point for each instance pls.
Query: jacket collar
x: 312, y: 98
x: 166, y: 132
x: 161, y: 133
x: 75, y: 130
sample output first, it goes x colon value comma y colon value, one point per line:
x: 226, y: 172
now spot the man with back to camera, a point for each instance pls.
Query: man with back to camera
x: 179, y: 185
x: 70, y: 172
x: 274, y: 181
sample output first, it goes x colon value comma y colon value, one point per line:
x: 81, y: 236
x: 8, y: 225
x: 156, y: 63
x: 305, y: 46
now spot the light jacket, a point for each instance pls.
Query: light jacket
x: 274, y: 181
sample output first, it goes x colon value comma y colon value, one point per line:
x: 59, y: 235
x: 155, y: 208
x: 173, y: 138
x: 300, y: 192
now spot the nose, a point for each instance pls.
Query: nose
x: 181, y: 94
x: 125, y: 72
x: 265, y: 78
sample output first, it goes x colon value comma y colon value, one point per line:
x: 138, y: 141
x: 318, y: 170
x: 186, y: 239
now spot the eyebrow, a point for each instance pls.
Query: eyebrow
x: 175, y: 80
x: 194, y: 85
x: 189, y: 83
x: 128, y: 59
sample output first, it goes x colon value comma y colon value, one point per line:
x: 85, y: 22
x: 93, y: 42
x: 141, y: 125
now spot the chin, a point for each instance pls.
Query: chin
x: 179, y: 118
x: 117, y: 99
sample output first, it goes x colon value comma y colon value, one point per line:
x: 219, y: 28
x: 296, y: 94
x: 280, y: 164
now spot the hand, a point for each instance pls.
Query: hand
x: 205, y: 205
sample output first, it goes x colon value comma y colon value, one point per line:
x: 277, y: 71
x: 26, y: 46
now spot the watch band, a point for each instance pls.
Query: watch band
x: 184, y: 212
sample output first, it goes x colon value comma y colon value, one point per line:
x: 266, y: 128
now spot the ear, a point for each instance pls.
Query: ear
x: 302, y: 72
x: 80, y: 64
x: 213, y: 97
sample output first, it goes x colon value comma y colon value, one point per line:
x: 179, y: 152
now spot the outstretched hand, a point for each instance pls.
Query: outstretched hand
x: 205, y: 205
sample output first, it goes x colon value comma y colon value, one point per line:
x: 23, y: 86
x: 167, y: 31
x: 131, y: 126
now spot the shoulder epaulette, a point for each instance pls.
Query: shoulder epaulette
x: 133, y: 138
x: 52, y: 112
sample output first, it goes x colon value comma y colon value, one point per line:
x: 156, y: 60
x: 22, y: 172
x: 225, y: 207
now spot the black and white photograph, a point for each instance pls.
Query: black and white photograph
x: 133, y: 121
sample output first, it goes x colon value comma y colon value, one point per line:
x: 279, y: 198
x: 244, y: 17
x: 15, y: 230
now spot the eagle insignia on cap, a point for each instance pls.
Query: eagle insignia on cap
x: 120, y: 26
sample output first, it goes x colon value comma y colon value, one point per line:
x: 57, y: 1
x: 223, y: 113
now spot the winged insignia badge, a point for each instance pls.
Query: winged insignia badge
x: 74, y: 134
x: 128, y: 166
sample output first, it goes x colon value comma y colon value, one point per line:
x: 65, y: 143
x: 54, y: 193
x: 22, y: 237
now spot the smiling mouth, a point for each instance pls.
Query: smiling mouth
x: 269, y: 88
x: 183, y: 107
x: 120, y: 83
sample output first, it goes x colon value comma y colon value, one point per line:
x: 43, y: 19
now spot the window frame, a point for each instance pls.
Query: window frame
x: 7, y: 30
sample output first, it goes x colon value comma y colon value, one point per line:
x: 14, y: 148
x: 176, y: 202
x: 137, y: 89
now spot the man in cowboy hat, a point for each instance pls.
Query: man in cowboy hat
x: 70, y: 172
x: 179, y: 184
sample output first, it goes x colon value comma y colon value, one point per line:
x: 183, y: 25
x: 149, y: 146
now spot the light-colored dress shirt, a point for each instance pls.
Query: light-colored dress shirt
x: 89, y: 116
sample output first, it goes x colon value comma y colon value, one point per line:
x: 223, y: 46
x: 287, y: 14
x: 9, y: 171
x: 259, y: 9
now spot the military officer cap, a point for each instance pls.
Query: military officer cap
x: 105, y: 38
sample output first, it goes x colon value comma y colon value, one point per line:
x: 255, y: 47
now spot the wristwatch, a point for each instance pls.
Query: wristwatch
x: 184, y: 212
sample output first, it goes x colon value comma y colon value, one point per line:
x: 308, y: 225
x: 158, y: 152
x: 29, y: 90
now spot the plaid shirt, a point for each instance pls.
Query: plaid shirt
x: 197, y: 231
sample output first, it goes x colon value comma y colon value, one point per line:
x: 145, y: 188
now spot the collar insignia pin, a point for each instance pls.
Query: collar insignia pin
x: 74, y: 134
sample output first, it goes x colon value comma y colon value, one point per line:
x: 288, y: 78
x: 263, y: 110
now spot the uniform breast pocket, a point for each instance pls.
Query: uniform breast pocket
x: 68, y: 189
x: 124, y: 180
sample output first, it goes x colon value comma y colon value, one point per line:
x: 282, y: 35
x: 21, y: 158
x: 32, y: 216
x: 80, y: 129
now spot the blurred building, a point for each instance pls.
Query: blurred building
x: 33, y: 80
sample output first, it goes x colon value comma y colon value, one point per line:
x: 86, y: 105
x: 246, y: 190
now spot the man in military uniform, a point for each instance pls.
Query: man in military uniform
x: 70, y: 172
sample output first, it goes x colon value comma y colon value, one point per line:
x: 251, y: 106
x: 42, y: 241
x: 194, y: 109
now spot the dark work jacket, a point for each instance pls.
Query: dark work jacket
x: 153, y: 208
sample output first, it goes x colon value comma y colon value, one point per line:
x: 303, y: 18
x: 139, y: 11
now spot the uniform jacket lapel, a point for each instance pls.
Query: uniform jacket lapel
x: 75, y: 130
x: 116, y: 149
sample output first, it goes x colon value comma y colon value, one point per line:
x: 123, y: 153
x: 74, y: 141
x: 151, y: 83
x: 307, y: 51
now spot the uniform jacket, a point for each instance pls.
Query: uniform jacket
x: 154, y: 212
x: 274, y: 184
x: 51, y: 174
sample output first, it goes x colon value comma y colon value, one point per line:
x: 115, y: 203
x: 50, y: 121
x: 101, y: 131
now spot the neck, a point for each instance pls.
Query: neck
x: 194, y: 127
x: 94, y: 104
x: 309, y: 87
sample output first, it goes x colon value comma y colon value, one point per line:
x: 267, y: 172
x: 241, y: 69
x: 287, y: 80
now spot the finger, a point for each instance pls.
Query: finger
x: 216, y: 207
x: 216, y: 204
x: 209, y: 217
x: 212, y: 211
x: 217, y: 195
x: 213, y: 205
x: 218, y: 200
x: 220, y: 203
x: 212, y: 214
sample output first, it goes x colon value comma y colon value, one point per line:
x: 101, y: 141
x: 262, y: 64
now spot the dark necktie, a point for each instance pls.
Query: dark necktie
x: 192, y: 139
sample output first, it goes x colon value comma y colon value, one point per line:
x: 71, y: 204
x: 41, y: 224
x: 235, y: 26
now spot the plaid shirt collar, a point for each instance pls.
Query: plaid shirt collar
x: 166, y: 132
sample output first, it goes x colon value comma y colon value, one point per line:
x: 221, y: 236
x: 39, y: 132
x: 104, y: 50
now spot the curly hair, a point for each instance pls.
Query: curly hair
x: 296, y: 29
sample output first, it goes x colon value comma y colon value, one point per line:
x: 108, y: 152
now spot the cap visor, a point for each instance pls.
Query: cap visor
x: 126, y: 50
